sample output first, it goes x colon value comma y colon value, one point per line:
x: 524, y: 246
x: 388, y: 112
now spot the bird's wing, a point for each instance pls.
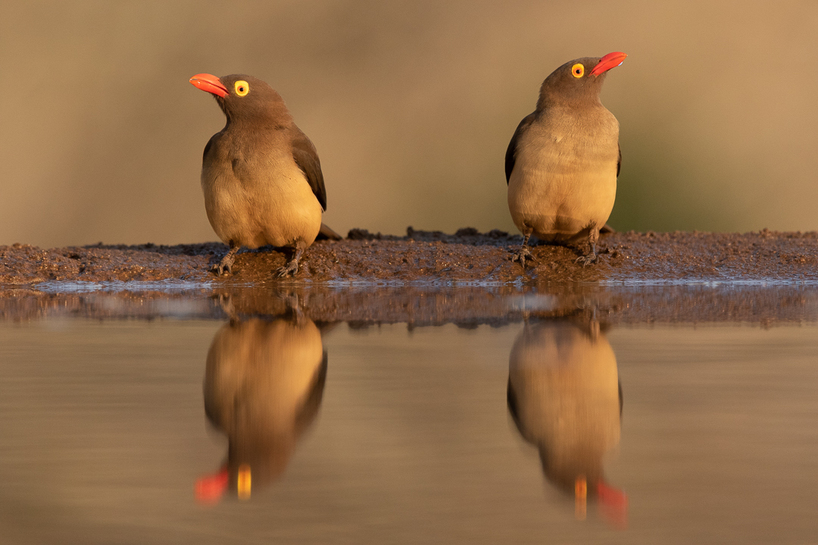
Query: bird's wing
x: 306, y: 157
x: 209, y: 146
x: 512, y: 146
x: 619, y: 161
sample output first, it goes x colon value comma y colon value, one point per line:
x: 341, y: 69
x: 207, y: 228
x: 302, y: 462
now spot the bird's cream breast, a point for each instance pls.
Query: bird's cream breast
x: 564, y: 176
x: 260, y: 197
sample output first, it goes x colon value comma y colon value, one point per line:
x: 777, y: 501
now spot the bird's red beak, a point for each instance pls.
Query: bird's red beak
x: 209, y: 83
x: 611, y: 60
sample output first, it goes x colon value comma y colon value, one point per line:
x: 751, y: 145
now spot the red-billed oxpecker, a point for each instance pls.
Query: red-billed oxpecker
x: 563, y: 160
x: 261, y: 175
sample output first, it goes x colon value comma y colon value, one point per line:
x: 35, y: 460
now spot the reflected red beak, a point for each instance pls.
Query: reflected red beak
x: 210, y: 488
x: 611, y: 60
x: 209, y: 83
x: 614, y: 504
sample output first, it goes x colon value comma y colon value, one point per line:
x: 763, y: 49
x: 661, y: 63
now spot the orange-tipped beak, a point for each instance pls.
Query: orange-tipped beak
x: 611, y: 60
x: 209, y: 83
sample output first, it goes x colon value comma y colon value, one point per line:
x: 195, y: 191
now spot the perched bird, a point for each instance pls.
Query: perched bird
x: 261, y: 175
x: 563, y: 160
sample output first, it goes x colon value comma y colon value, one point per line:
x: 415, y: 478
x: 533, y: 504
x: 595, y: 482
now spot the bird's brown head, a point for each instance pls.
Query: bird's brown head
x: 578, y: 81
x: 242, y: 97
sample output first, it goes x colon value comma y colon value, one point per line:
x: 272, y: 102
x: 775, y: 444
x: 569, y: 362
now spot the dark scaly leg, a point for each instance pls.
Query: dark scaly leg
x: 524, y: 251
x: 591, y: 256
x: 291, y: 268
x: 225, y: 266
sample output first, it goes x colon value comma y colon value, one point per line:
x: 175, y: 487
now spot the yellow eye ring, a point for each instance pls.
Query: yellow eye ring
x: 578, y: 70
x: 241, y: 87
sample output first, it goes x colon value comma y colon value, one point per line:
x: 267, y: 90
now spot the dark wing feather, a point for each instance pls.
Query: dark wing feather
x: 511, y: 152
x: 306, y: 157
x: 619, y: 161
x: 207, y: 148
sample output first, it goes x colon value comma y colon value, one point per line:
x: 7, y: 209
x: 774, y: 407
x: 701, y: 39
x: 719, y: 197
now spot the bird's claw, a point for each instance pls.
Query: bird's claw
x: 222, y: 269
x: 522, y: 255
x: 225, y: 266
x: 288, y: 270
x: 587, y: 259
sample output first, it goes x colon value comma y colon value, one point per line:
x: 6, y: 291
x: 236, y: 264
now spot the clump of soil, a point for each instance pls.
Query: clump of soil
x: 432, y: 257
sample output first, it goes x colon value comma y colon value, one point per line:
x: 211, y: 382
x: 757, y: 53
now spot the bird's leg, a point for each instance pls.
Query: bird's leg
x: 524, y: 251
x: 225, y: 266
x: 291, y: 268
x: 591, y: 256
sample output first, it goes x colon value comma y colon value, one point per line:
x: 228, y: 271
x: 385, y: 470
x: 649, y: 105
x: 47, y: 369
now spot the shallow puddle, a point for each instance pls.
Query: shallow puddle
x: 283, y: 429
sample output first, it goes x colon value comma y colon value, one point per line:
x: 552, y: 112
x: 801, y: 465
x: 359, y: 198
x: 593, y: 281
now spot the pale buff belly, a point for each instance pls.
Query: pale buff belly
x: 283, y: 212
x: 561, y: 206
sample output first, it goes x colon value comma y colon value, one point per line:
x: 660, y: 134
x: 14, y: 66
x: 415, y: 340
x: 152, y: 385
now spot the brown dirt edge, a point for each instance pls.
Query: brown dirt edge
x: 432, y: 257
x: 429, y: 278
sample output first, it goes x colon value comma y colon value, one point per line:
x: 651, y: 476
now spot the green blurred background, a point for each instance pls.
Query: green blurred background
x: 411, y: 105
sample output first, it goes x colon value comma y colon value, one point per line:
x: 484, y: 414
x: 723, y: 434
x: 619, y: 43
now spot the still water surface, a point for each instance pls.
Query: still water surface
x: 276, y: 430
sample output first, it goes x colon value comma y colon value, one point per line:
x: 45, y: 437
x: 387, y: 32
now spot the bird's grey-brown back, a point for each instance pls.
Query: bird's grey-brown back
x: 261, y: 175
x: 562, y: 162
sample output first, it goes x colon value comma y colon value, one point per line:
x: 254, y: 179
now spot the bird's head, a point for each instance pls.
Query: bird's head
x: 242, y: 97
x: 579, y: 80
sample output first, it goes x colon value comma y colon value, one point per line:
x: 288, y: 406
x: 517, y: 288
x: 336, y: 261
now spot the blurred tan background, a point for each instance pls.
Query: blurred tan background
x: 411, y: 105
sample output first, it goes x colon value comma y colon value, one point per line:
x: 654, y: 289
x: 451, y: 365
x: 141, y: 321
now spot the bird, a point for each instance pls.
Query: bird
x: 565, y: 398
x: 261, y: 176
x: 564, y: 158
x: 264, y: 382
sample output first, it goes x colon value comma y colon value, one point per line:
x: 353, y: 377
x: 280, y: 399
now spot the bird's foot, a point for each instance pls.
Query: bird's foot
x: 225, y: 266
x: 291, y: 268
x: 522, y: 255
x: 221, y: 270
x: 287, y: 270
x: 587, y: 259
x: 591, y: 256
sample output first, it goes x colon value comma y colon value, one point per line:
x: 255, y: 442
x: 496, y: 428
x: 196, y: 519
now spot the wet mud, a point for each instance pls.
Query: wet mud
x: 429, y: 278
x: 424, y: 257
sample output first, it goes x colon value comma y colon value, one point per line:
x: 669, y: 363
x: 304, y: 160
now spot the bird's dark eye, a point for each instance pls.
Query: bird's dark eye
x: 578, y: 70
x: 242, y: 87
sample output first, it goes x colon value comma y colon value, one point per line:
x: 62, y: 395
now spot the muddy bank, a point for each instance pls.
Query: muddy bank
x: 423, y: 257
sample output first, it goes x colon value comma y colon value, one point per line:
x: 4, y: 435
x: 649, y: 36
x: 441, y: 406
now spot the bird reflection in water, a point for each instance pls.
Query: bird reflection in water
x: 263, y: 387
x: 565, y: 398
